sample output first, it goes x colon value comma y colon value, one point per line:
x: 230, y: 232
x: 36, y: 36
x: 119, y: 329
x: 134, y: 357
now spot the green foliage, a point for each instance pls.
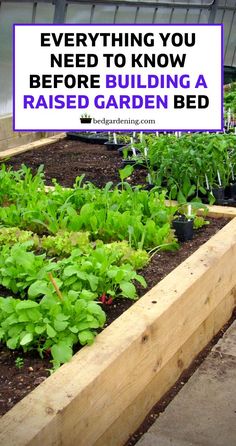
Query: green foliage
x: 102, y: 270
x: 183, y: 164
x: 52, y: 324
x: 230, y: 99
x: 199, y: 222
x: 64, y: 242
x: 126, y: 172
x: 137, y: 258
x: 11, y: 236
x: 135, y: 215
x: 19, y: 362
x: 98, y: 238
x: 19, y: 268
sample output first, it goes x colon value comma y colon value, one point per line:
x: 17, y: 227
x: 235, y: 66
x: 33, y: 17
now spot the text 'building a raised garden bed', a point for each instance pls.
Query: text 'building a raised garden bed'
x: 102, y: 395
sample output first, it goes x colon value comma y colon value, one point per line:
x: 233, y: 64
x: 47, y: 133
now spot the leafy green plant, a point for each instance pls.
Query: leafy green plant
x: 189, y: 211
x: 11, y: 236
x: 64, y: 242
x: 102, y: 270
x: 97, y: 237
x: 191, y: 165
x: 53, y: 324
x: 19, y: 362
x: 107, y: 214
x: 19, y: 267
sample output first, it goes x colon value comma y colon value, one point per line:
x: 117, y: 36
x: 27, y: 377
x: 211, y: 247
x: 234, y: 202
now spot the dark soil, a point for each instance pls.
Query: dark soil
x: 100, y: 166
x: 67, y: 159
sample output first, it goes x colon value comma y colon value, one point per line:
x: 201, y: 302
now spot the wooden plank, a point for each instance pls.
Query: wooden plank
x: 132, y: 417
x: 32, y: 145
x: 221, y: 211
x: 213, y: 210
x: 79, y: 403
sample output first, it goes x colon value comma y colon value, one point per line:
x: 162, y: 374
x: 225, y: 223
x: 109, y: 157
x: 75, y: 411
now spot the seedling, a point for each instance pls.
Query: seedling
x: 19, y: 362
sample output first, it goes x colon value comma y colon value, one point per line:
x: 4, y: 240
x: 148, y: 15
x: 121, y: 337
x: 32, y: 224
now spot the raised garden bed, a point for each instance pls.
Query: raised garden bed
x: 17, y: 382
x: 106, y: 390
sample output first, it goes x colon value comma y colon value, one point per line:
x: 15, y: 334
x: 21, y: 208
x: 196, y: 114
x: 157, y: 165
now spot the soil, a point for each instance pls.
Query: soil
x: 67, y: 159
x: 100, y: 166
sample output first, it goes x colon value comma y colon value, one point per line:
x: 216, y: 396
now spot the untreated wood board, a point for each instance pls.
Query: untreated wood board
x: 78, y: 404
x: 213, y: 211
x: 32, y: 145
x: 221, y: 211
x: 130, y: 419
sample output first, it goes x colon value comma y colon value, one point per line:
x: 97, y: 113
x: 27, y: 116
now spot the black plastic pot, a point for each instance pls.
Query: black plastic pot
x: 183, y: 229
x: 231, y: 202
x: 219, y: 194
x: 135, y: 163
x: 149, y: 186
x: 77, y: 135
x: 129, y: 151
x: 89, y: 138
x: 98, y: 139
x: 233, y: 191
x: 112, y: 146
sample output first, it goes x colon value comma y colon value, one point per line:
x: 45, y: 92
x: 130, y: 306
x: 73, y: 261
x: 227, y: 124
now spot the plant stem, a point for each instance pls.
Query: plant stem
x: 52, y: 280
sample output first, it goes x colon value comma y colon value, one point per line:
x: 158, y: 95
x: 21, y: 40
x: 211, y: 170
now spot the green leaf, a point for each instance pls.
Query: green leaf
x: 126, y: 172
x: 7, y: 305
x: 73, y: 329
x: 186, y: 186
x: 27, y: 338
x: 26, y: 304
x: 86, y: 337
x: 12, y: 343
x: 93, y: 282
x: 61, y: 352
x: 60, y: 325
x: 62, y: 317
x: 141, y: 280
x: 23, y: 317
x: 39, y: 329
x: 203, y: 190
x: 191, y: 190
x: 87, y: 295
x: 180, y: 197
x: 37, y: 288
x: 50, y: 331
x: 128, y: 290
x: 70, y: 271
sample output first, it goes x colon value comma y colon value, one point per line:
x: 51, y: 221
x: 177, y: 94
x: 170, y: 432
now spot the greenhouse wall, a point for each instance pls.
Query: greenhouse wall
x: 72, y: 11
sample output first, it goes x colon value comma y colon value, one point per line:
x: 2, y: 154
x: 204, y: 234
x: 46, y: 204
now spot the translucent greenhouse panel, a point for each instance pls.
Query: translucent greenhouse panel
x: 204, y: 16
x: 219, y: 16
x: 197, y: 16
x: 78, y: 14
x: 227, y: 17
x: 230, y: 41
x: 178, y: 15
x: 104, y: 14
x: 227, y: 3
x: 9, y: 13
x: 44, y: 13
x: 163, y: 15
x: 188, y: 2
x: 145, y: 15
x: 125, y: 14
